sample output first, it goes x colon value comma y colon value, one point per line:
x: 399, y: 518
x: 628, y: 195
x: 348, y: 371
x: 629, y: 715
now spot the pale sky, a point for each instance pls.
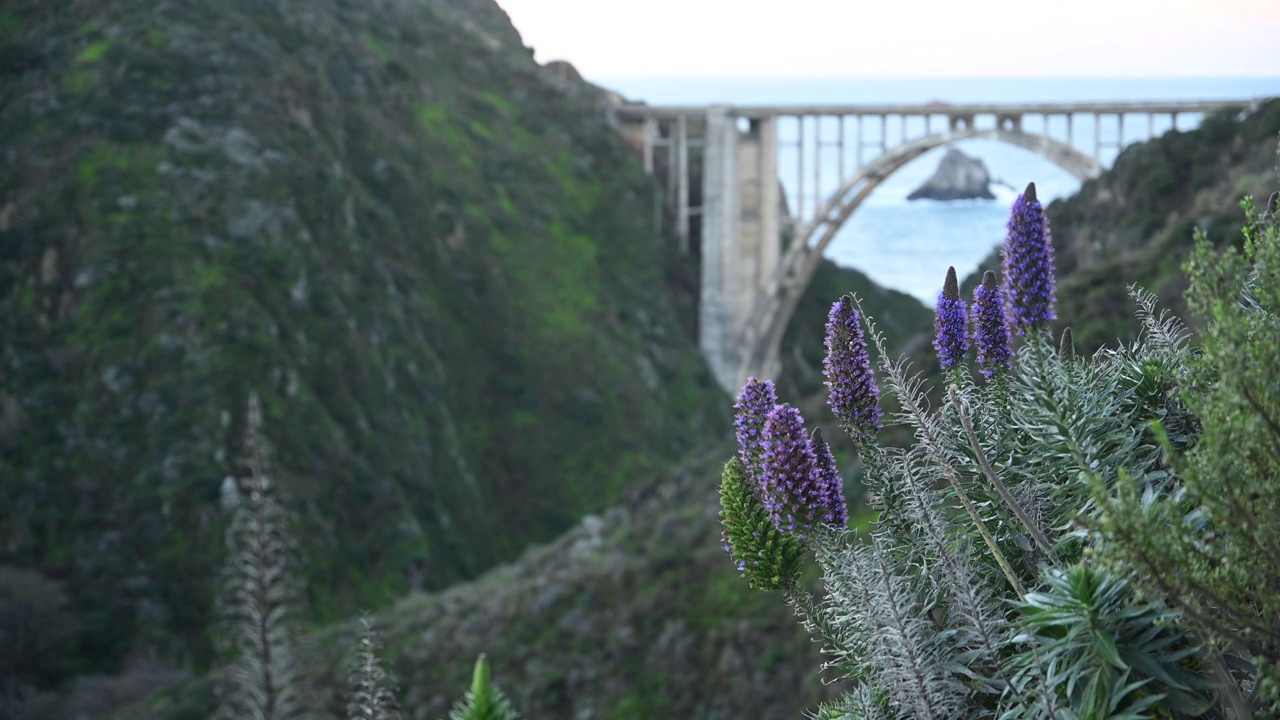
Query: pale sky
x: 904, y: 38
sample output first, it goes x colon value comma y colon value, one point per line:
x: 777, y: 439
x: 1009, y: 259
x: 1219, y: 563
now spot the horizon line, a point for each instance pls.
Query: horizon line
x: 897, y: 78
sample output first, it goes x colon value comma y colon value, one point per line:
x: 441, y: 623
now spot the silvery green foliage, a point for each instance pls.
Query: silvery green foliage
x: 915, y: 658
x: 1085, y: 640
x: 372, y: 695
x: 941, y: 612
x: 861, y: 703
x: 979, y: 625
x: 879, y: 609
x: 261, y: 597
x: 1165, y: 334
x: 1076, y: 423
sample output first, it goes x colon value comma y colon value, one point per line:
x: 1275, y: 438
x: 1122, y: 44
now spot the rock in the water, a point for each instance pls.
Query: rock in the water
x: 958, y: 177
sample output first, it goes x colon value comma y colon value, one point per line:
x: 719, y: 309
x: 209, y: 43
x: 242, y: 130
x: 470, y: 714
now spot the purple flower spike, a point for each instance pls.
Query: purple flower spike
x: 991, y: 328
x: 787, y: 467
x: 951, y: 324
x: 828, y: 482
x: 754, y: 403
x: 852, y: 392
x: 1028, y: 264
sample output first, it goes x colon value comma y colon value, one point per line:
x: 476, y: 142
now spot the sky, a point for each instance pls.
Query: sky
x: 607, y: 39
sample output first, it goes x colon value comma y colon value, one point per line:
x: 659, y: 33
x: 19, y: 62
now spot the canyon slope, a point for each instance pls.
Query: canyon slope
x: 432, y: 259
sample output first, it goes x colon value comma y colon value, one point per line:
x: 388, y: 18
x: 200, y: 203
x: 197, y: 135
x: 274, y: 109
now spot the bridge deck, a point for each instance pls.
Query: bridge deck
x: 951, y: 109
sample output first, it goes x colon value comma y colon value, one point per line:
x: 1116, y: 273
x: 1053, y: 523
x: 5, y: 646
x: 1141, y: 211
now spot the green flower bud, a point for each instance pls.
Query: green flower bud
x: 767, y: 557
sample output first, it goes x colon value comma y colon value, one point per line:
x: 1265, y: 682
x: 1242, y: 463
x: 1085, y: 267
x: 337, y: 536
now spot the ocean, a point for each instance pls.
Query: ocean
x: 908, y: 246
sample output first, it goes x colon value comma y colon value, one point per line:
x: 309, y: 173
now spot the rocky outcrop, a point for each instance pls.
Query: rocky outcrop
x: 958, y: 177
x: 564, y: 70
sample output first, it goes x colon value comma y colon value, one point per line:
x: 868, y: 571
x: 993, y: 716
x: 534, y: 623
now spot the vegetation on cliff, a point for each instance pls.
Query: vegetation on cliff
x: 432, y: 262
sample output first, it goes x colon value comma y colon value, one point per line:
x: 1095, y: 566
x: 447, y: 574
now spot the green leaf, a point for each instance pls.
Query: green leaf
x: 1106, y: 647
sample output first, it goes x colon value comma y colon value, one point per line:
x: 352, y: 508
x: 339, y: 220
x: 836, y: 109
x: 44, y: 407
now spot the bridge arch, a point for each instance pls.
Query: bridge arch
x: 776, y: 306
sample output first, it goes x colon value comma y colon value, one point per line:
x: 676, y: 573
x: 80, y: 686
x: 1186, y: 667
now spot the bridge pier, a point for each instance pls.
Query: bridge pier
x: 719, y: 229
x: 741, y: 240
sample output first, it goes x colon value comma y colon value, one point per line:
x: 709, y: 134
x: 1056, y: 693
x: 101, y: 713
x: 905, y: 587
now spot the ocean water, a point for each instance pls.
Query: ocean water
x: 909, y: 245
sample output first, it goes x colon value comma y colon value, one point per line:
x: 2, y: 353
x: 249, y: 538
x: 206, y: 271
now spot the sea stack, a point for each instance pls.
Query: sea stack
x: 958, y: 177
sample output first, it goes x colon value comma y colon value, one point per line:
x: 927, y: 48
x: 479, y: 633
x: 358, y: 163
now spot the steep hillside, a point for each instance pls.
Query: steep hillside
x: 635, y: 614
x: 431, y: 260
x: 1135, y: 223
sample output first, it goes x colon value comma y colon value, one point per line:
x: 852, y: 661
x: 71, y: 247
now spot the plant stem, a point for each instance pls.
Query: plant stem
x: 1045, y: 546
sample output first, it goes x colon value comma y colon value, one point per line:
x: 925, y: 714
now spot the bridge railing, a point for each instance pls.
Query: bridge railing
x: 820, y: 146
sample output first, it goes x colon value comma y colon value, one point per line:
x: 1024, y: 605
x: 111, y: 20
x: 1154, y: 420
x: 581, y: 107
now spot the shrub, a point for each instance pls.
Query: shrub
x: 261, y: 597
x: 373, y: 692
x: 1210, y: 546
x: 1066, y: 538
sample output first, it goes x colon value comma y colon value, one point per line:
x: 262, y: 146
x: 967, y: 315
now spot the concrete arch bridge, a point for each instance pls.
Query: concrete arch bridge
x: 750, y: 283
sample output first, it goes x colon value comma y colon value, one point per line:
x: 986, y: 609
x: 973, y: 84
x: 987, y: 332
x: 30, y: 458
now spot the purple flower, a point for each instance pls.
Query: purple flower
x: 1028, y: 263
x: 991, y: 328
x: 950, y: 324
x: 826, y: 477
x: 795, y: 486
x: 754, y: 403
x: 853, y: 395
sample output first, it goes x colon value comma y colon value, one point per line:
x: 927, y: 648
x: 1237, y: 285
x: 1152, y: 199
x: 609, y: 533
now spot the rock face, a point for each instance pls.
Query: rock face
x: 958, y: 177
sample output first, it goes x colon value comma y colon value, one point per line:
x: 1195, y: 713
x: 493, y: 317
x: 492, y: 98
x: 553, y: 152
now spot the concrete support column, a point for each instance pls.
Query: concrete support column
x: 648, y: 133
x: 720, y: 233
x: 749, y: 277
x: 682, y: 184
x: 761, y: 238
x: 742, y: 242
x: 770, y: 204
